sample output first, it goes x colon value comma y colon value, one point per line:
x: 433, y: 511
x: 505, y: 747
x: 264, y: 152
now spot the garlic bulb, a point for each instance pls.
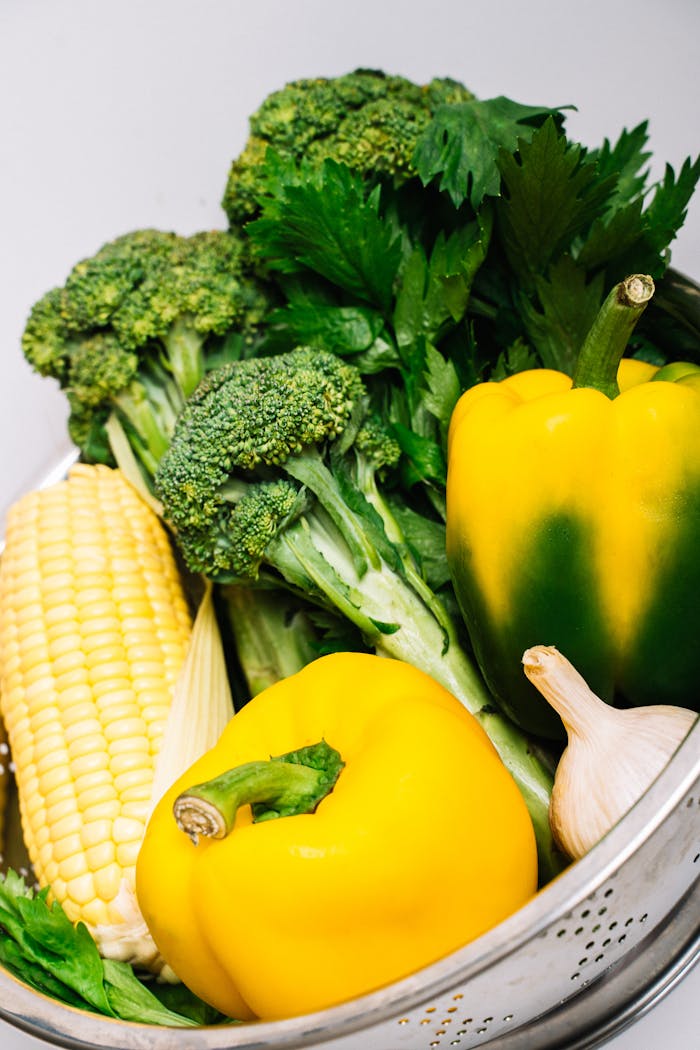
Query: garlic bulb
x: 612, y: 755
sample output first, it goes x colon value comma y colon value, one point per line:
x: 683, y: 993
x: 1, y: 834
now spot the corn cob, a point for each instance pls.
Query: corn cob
x: 94, y: 628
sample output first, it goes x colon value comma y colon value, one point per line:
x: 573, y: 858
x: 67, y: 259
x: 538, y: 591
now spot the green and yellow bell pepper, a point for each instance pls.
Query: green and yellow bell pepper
x: 574, y: 520
x: 386, y: 834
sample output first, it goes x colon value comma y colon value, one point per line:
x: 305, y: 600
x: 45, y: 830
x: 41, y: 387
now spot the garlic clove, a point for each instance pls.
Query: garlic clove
x: 612, y: 756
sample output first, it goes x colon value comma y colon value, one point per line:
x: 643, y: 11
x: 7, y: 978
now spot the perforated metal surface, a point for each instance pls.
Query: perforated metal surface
x: 517, y: 988
x: 638, y: 884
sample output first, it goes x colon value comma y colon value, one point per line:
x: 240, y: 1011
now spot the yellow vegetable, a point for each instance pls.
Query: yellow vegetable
x: 94, y: 628
x: 387, y: 833
x: 573, y: 519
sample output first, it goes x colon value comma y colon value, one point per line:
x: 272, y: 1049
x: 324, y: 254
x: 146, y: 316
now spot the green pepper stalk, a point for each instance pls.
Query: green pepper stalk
x: 282, y: 786
x: 600, y: 355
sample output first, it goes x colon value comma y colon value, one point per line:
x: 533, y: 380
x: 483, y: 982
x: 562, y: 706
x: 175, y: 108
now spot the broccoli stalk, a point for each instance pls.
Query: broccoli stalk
x: 273, y: 636
x: 271, y: 466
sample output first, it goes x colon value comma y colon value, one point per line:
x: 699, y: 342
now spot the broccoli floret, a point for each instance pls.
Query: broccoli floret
x: 275, y: 466
x: 45, y: 340
x: 133, y: 326
x: 367, y: 120
x: 100, y: 367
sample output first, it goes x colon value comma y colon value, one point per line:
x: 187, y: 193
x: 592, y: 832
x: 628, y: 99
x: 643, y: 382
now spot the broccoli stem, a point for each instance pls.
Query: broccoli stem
x: 308, y: 468
x: 398, y: 623
x: 185, y: 349
x: 273, y: 639
x: 366, y: 479
x: 150, y: 405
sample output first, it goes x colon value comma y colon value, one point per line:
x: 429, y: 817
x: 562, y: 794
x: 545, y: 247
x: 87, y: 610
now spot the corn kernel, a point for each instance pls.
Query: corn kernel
x: 89, y: 764
x: 107, y: 881
x: 73, y: 867
x: 80, y: 889
x: 126, y: 830
x: 63, y: 847
x: 127, y: 852
x: 101, y: 855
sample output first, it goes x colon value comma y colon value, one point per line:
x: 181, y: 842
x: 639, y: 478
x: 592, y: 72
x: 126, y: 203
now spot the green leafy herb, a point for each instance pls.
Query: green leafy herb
x: 634, y: 239
x: 442, y: 388
x: 461, y: 143
x: 551, y: 195
x: 424, y: 457
x: 569, y: 302
x: 668, y: 208
x: 346, y: 330
x: 325, y: 219
x: 516, y: 358
x: 625, y: 162
x: 41, y: 946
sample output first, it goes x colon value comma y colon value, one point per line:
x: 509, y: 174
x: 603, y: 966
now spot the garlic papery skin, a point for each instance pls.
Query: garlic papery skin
x: 612, y: 756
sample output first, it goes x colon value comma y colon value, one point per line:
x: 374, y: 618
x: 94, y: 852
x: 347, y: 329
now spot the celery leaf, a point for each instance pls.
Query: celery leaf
x: 42, y: 947
x: 325, y: 220
x: 569, y: 304
x: 626, y: 160
x: 460, y: 146
x: 551, y: 196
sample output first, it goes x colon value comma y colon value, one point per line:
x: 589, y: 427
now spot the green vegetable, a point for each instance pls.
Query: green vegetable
x: 361, y: 270
x: 275, y: 633
x: 275, y: 463
x: 129, y: 336
x: 462, y: 143
x: 132, y: 328
x: 367, y: 120
x: 42, y: 947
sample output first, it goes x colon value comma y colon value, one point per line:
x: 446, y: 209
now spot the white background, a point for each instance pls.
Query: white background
x: 119, y: 115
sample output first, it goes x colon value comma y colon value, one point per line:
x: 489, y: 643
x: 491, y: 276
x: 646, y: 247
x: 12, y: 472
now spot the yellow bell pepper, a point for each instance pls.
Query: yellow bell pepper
x: 387, y: 834
x: 573, y: 519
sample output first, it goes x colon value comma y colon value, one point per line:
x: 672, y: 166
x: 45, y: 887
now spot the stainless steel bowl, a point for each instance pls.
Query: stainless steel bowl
x: 594, y: 949
x: 590, y: 953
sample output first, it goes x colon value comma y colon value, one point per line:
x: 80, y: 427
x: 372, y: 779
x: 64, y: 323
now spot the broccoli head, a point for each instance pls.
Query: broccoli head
x: 249, y: 416
x: 368, y: 120
x: 132, y: 328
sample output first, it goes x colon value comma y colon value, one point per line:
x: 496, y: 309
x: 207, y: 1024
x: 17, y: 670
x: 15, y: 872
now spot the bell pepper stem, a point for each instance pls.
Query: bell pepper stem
x: 607, y: 340
x: 281, y: 786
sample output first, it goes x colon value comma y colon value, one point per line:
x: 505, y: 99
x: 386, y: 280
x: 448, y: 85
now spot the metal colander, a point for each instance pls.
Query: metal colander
x: 594, y: 949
